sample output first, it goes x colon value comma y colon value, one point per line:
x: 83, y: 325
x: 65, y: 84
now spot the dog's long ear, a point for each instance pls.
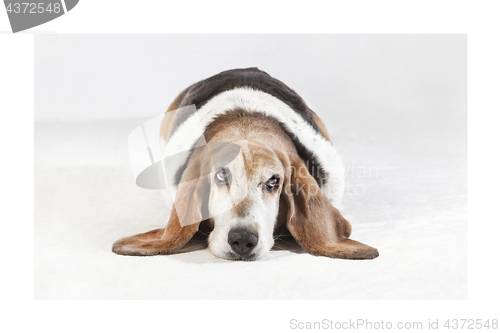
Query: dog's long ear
x: 314, y: 222
x: 187, y: 213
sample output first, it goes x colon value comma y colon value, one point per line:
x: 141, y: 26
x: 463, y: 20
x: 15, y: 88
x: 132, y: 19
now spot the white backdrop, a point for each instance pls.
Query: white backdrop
x: 377, y: 86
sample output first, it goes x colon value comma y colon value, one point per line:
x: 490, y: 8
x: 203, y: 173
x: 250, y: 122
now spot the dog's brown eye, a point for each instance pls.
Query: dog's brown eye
x: 223, y: 177
x: 272, y: 183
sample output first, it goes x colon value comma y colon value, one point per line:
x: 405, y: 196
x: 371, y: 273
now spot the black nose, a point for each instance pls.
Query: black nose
x: 242, y: 240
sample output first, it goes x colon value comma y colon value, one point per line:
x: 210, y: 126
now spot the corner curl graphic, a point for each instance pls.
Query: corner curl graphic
x: 25, y: 14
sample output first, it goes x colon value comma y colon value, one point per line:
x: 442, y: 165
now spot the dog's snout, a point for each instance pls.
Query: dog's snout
x: 242, y: 240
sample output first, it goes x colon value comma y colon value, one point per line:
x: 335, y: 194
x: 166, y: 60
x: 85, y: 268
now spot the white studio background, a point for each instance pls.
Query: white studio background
x: 377, y: 86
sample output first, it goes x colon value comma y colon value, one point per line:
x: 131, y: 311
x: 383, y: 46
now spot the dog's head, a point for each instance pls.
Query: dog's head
x: 265, y: 185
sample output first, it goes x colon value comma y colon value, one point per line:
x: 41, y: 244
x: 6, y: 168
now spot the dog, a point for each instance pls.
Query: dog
x: 260, y: 163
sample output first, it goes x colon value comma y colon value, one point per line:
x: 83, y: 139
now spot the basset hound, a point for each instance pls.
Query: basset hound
x: 259, y: 162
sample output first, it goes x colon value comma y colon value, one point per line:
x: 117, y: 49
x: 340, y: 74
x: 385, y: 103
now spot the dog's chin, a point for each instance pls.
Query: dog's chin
x: 229, y: 255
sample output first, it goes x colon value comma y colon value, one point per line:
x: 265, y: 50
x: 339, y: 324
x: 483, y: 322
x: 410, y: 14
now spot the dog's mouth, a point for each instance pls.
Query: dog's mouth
x: 239, y: 257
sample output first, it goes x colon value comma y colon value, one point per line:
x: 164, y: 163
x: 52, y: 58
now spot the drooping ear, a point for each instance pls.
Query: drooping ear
x: 314, y: 222
x: 187, y: 213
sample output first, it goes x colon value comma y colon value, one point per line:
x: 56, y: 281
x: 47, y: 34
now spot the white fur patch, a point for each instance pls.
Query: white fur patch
x: 250, y: 100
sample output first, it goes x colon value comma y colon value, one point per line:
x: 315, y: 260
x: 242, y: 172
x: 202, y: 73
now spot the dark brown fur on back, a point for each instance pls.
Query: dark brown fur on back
x: 201, y: 92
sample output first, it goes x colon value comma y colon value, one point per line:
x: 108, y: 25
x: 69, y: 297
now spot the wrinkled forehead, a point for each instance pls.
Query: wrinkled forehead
x: 254, y: 159
x: 223, y: 154
x: 261, y: 162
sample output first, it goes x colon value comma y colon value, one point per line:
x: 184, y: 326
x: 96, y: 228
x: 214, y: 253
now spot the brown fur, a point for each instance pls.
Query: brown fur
x: 315, y: 223
x: 242, y: 208
x: 171, y: 119
x: 319, y: 123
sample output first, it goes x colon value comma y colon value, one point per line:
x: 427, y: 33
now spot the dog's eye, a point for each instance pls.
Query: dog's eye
x: 223, y: 177
x: 272, y: 183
